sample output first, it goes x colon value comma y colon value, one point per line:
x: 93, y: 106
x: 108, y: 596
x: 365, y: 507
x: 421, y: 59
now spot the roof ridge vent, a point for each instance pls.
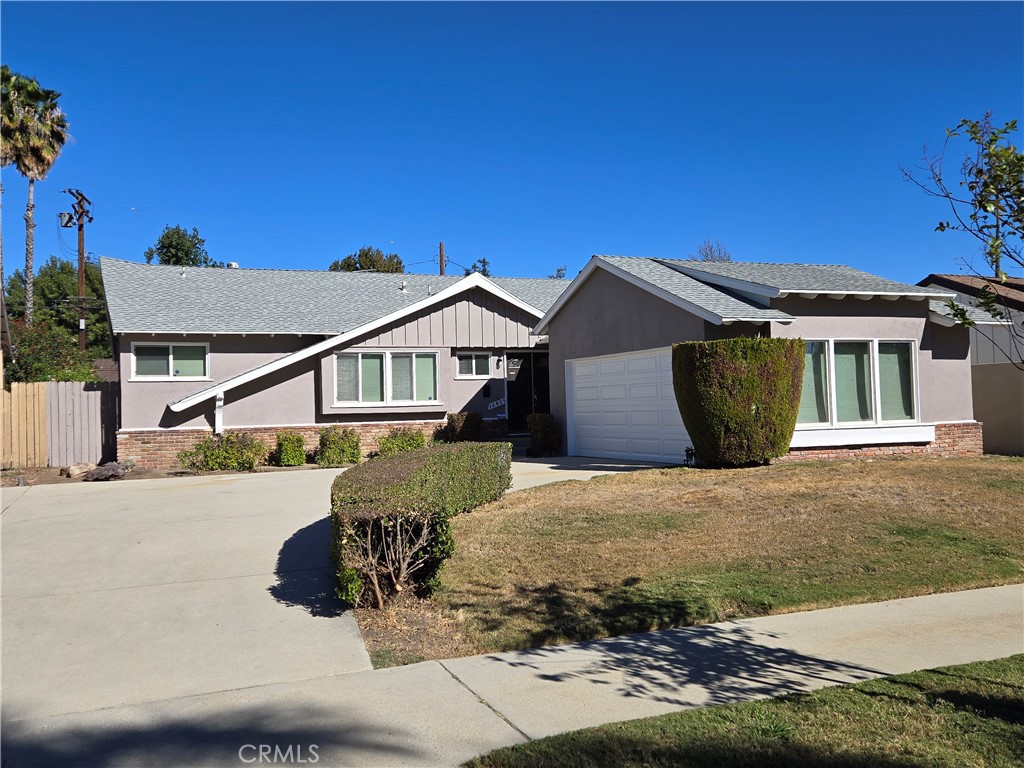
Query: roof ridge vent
x: 232, y: 265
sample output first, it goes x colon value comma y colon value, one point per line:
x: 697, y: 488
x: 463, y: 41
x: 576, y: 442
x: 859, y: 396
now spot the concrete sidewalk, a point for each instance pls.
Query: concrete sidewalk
x: 442, y: 713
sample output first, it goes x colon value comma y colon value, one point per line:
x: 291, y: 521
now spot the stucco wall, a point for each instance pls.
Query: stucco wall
x: 607, y: 316
x: 999, y: 406
x: 144, y: 403
x: 943, y: 353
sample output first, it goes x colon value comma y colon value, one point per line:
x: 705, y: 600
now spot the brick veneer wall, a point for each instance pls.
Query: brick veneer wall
x: 959, y: 439
x: 159, y: 448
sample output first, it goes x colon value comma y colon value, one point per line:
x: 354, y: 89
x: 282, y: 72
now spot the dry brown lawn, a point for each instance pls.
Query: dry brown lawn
x: 657, y: 548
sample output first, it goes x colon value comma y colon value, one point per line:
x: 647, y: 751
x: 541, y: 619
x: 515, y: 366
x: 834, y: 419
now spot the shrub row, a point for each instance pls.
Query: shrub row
x: 545, y: 439
x: 401, y: 439
x: 463, y: 427
x: 230, y: 451
x: 391, y: 517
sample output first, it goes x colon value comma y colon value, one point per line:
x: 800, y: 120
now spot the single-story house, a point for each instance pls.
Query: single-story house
x: 887, y: 370
x: 997, y: 357
x: 207, y: 350
x: 204, y: 351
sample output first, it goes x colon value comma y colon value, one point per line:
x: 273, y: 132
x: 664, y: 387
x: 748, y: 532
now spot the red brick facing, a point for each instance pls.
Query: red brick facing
x: 159, y: 448
x: 962, y: 439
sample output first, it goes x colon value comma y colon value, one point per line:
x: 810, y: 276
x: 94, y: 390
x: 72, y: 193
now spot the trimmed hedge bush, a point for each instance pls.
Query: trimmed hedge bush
x: 229, y: 451
x: 390, y: 518
x: 545, y: 439
x: 463, y: 427
x: 291, y: 449
x: 338, y: 446
x: 739, y: 398
x: 401, y: 439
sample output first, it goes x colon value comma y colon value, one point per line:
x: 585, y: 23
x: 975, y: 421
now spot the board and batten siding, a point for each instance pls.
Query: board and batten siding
x: 477, y: 320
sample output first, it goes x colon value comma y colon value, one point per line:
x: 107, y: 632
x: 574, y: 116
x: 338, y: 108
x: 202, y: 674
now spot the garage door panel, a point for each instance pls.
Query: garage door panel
x: 634, y: 414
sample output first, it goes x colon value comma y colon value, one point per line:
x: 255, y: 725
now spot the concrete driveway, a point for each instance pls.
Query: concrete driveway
x: 138, y: 591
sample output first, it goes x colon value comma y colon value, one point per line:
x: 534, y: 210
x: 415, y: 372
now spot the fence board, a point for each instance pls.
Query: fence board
x: 24, y: 425
x: 82, y: 422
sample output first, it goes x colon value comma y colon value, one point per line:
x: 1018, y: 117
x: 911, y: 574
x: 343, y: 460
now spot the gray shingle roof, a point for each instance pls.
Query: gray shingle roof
x: 150, y: 298
x: 794, y: 278
x: 979, y: 316
x: 722, y: 303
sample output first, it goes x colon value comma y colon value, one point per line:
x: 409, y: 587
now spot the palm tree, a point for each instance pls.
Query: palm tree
x: 34, y: 132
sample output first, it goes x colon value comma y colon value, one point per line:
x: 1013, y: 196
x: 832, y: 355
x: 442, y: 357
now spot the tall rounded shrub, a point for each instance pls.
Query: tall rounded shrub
x: 739, y: 397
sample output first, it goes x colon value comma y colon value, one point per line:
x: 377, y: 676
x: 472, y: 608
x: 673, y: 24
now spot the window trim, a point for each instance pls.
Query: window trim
x: 170, y: 361
x: 474, y: 375
x: 388, y: 382
x: 876, y: 389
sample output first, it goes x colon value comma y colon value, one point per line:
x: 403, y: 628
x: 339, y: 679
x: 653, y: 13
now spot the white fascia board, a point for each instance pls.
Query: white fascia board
x: 866, y: 294
x: 596, y: 263
x: 474, y: 280
x: 949, y: 321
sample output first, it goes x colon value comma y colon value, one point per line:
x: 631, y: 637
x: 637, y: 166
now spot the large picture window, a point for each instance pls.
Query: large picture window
x: 848, y: 383
x: 382, y: 378
x: 171, y: 361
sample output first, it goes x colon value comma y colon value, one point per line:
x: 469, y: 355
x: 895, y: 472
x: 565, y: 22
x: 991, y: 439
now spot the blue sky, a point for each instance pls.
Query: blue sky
x: 533, y: 135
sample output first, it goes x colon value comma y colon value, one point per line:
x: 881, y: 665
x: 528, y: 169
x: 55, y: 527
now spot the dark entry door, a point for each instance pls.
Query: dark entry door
x: 529, y: 389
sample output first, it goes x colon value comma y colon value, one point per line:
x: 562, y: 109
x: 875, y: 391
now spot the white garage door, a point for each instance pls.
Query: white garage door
x: 623, y: 407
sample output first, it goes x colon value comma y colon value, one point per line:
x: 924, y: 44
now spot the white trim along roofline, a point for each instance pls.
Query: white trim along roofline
x: 760, y: 289
x: 598, y: 263
x: 475, y: 280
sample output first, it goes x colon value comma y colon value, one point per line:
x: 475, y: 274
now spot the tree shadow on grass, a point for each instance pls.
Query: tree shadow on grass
x: 305, y: 575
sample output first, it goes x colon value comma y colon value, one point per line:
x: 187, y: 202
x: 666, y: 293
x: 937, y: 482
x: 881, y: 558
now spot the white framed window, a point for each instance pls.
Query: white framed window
x: 472, y: 365
x: 385, y: 378
x: 171, y: 362
x: 859, y: 382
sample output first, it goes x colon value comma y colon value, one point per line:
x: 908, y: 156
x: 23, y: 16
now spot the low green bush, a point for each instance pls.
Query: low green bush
x: 545, y: 439
x: 390, y: 518
x: 291, y: 449
x: 338, y: 446
x: 463, y: 427
x: 230, y: 451
x: 401, y: 439
x: 739, y: 397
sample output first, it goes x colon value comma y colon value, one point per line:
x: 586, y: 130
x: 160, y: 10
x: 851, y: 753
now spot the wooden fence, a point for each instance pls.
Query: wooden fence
x: 59, y: 423
x: 24, y: 425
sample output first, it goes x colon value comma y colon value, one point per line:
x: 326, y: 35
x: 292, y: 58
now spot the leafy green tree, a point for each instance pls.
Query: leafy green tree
x: 483, y: 266
x: 179, y: 247
x: 711, y: 251
x: 34, y: 130
x: 43, y: 352
x: 56, y: 292
x: 368, y: 259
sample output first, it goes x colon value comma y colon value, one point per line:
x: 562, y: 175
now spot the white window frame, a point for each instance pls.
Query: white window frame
x: 876, y: 390
x: 170, y: 361
x: 388, y: 395
x: 474, y: 375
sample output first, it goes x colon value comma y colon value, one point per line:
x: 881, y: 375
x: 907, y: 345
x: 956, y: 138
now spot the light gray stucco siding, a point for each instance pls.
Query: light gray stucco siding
x: 943, y: 353
x: 144, y: 403
x: 607, y: 315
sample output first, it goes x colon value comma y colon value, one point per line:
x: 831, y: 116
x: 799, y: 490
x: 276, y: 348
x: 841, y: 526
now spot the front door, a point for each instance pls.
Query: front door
x: 529, y: 388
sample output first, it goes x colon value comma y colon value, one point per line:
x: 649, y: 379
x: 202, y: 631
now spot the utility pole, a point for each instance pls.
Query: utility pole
x: 440, y: 256
x: 81, y: 215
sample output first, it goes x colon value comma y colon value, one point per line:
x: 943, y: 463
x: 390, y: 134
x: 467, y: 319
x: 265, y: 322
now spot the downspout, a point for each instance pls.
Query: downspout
x: 218, y: 414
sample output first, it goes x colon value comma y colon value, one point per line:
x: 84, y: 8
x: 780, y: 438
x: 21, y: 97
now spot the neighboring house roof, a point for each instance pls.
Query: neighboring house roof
x: 1010, y: 292
x: 145, y: 298
x: 773, y: 280
x: 717, y: 305
x: 106, y: 369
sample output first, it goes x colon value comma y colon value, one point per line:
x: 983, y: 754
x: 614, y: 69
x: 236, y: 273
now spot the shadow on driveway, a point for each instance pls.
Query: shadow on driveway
x: 305, y: 576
